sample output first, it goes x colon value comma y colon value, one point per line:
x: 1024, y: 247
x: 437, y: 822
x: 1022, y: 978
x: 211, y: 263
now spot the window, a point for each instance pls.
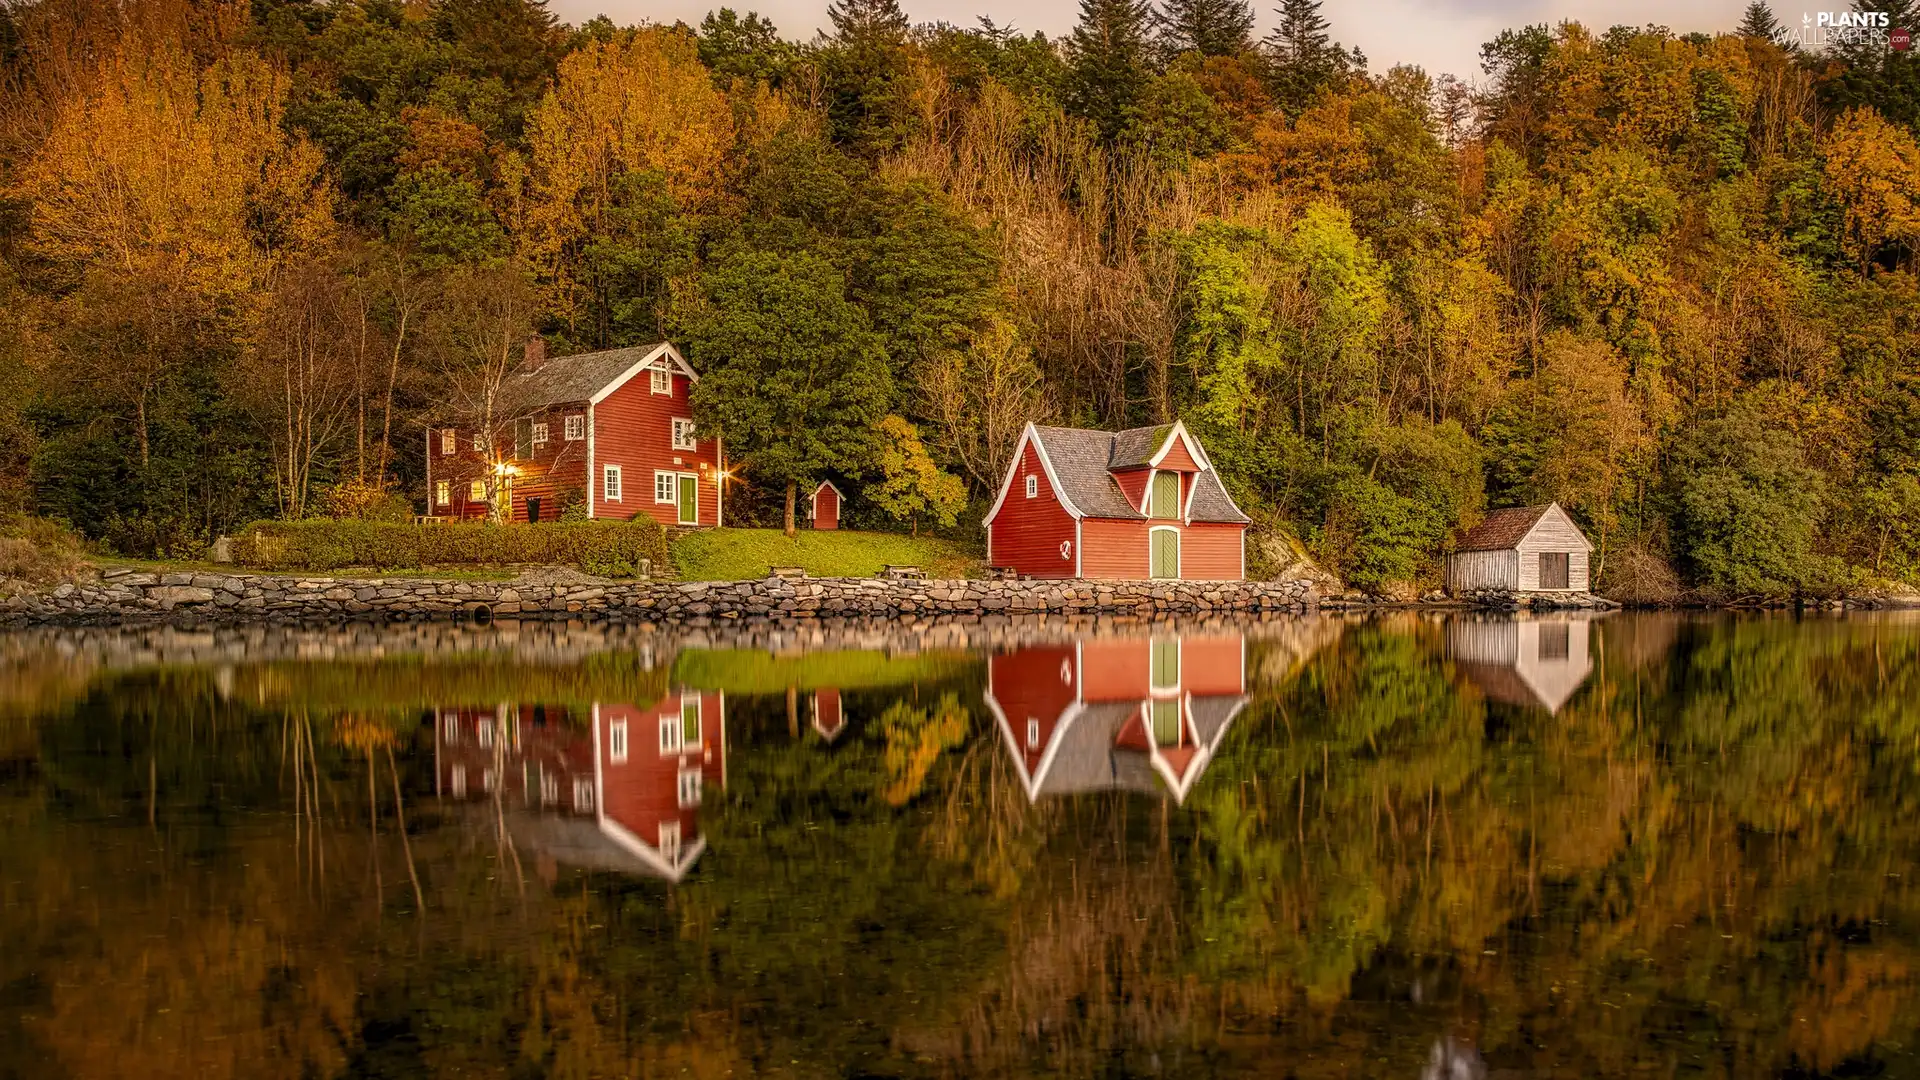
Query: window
x: 1033, y: 486
x: 458, y: 781
x: 689, y: 788
x: 539, y: 434
x: 610, y: 484
x: 449, y: 440
x: 683, y: 435
x: 1166, y: 495
x: 690, y: 720
x: 481, y: 444
x: 669, y: 736
x: 451, y: 722
x: 665, y: 487
x: 549, y: 788
x: 1553, y: 641
x: 670, y: 842
x: 486, y: 781
x: 617, y: 740
x: 1033, y: 733
x: 485, y: 728
x: 477, y: 491
x: 443, y: 493
x: 662, y: 381
x: 1166, y: 665
x: 576, y: 428
x: 583, y: 794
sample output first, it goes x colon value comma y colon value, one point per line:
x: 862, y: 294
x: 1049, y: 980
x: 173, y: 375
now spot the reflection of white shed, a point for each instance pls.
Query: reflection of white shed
x: 1521, y: 549
x: 1526, y: 662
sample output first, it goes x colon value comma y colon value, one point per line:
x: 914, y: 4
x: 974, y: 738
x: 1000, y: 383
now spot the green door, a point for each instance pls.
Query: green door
x: 1166, y: 554
x: 689, y: 499
x: 1166, y: 496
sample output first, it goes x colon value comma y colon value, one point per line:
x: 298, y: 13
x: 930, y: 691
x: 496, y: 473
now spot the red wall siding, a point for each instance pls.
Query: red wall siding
x: 1210, y: 551
x: 633, y: 428
x: 1212, y: 665
x: 1134, y: 483
x: 826, y: 508
x: 1116, y: 669
x: 1028, y: 533
x: 556, y: 464
x: 1114, y: 549
x: 1178, y: 459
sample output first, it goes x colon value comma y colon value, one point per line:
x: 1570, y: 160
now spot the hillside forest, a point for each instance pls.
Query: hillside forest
x: 248, y: 252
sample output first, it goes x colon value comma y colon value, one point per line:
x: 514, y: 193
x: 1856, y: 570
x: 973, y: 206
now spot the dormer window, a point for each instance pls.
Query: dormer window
x: 1165, y: 501
x: 1033, y: 486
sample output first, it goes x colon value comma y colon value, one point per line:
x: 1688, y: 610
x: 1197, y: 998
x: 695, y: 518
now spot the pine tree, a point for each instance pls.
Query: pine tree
x: 1304, y: 57
x: 1758, y: 22
x: 1109, y: 71
x: 1873, y: 74
x: 867, y: 20
x: 1208, y: 27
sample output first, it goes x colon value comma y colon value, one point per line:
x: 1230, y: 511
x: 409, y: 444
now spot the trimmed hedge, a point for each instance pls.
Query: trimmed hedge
x: 608, y: 548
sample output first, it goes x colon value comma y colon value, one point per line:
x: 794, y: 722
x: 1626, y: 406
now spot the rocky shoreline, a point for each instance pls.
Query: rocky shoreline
x: 126, y: 597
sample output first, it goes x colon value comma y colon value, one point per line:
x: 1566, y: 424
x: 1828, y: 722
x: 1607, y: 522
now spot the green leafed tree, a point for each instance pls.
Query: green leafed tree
x: 793, y: 377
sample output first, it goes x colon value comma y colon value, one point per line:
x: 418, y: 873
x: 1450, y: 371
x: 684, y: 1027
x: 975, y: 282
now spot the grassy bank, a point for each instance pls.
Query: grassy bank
x: 743, y: 554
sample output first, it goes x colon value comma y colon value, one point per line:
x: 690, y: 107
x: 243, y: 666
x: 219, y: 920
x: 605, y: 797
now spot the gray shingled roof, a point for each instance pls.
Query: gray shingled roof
x: 564, y: 379
x: 1503, y: 529
x: 1136, y: 446
x: 1084, y: 461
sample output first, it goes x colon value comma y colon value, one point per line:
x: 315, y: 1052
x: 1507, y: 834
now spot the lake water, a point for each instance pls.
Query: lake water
x: 1401, y: 846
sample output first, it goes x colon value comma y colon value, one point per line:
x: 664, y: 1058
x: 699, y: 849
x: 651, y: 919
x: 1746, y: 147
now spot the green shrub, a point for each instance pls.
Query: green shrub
x: 611, y: 548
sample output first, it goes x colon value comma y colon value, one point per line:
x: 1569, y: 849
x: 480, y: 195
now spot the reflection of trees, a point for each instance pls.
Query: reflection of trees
x: 1695, y: 855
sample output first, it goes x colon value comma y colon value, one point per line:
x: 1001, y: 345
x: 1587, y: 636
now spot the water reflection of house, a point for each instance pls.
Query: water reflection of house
x: 1144, y: 714
x: 1527, y: 662
x: 616, y: 787
x: 829, y: 717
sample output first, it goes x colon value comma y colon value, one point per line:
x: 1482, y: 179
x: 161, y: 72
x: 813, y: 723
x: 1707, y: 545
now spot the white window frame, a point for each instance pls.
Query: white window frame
x: 576, y: 427
x: 487, y: 781
x: 669, y: 836
x: 443, y: 493
x: 1033, y: 733
x: 688, y: 788
x: 582, y: 794
x: 449, y: 441
x: 451, y: 721
x: 477, y: 491
x: 669, y: 494
x: 670, y: 741
x: 617, y: 741
x: 481, y: 444
x: 539, y: 434
x: 484, y: 731
x: 660, y: 381
x: 688, y: 441
x: 1033, y: 486
x: 612, y: 484
x: 549, y: 787
x: 458, y: 782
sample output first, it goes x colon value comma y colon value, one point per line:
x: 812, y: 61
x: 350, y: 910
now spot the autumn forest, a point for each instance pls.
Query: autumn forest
x: 249, y: 251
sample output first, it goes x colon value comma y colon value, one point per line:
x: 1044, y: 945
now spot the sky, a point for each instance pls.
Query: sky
x: 1442, y: 36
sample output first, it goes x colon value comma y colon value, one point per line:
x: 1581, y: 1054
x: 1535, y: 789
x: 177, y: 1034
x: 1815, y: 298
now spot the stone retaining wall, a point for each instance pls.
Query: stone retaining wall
x: 122, y: 596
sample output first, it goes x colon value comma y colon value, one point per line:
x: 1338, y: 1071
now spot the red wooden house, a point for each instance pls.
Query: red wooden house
x: 618, y: 788
x: 613, y: 429
x: 1145, y: 714
x: 1139, y: 503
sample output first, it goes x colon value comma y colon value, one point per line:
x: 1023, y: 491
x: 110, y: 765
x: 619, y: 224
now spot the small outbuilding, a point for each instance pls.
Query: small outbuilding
x: 825, y: 511
x: 1523, y: 549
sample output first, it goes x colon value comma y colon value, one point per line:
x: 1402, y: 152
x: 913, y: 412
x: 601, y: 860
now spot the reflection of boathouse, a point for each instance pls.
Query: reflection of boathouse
x: 617, y: 787
x: 1144, y: 714
x: 1526, y: 662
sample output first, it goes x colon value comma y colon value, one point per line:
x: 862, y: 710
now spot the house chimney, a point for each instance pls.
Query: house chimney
x: 536, y: 352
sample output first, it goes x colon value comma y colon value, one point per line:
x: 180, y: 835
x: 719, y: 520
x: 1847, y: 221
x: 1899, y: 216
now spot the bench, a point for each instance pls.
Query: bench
x: 903, y: 573
x: 786, y: 571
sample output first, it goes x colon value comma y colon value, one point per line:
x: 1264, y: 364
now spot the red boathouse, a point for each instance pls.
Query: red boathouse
x: 1139, y: 503
x: 826, y: 506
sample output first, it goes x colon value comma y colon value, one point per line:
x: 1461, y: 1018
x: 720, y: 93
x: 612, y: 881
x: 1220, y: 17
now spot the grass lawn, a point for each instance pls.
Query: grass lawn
x: 202, y: 566
x: 743, y: 554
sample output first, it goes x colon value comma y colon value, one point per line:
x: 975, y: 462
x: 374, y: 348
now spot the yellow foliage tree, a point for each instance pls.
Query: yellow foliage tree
x: 644, y: 103
x: 1873, y: 169
x: 162, y: 168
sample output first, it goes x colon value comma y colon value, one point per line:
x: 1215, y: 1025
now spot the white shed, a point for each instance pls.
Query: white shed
x: 1524, y: 549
